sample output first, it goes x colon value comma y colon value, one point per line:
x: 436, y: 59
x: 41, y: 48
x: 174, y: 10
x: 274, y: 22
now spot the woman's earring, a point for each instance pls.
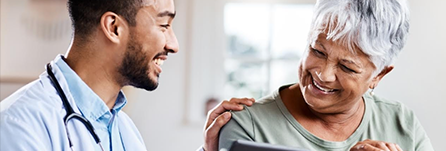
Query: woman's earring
x: 371, y: 92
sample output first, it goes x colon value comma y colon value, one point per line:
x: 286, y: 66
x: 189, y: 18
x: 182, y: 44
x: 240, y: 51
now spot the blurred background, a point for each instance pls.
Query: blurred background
x: 228, y: 48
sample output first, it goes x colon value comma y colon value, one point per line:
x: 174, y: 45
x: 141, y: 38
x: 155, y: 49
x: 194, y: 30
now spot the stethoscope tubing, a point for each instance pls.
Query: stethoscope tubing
x: 70, y: 112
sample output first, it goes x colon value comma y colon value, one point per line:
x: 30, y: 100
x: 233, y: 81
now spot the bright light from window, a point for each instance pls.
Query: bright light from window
x: 264, y: 45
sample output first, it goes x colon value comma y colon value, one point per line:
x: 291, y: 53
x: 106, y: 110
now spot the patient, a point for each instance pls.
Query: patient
x: 351, y: 47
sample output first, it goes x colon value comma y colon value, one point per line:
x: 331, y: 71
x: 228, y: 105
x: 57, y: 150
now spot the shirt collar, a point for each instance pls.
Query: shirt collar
x: 88, y: 102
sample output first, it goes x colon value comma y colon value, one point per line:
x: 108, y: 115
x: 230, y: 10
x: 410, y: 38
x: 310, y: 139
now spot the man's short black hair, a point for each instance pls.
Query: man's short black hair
x: 86, y: 14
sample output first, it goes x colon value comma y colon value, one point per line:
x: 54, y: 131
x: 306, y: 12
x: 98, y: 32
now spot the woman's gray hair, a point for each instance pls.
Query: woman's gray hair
x: 379, y: 28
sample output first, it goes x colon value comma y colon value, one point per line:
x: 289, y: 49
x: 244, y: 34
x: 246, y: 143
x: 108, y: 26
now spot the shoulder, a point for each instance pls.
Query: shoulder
x: 29, y: 117
x: 395, y: 120
x: 126, y: 122
x: 391, y: 113
x: 30, y: 103
x: 124, y: 117
x: 383, y: 105
x: 264, y: 108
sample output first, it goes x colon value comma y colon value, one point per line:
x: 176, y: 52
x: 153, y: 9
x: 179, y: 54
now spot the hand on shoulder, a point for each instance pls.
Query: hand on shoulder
x: 218, y: 117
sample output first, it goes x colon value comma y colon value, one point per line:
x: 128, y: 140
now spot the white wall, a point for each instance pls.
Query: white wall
x: 162, y: 115
x: 32, y: 34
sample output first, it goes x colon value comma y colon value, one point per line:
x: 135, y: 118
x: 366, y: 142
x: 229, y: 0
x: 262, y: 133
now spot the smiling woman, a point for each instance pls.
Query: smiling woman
x: 351, y: 47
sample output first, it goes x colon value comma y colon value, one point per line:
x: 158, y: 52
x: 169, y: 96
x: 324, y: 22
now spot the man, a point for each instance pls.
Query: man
x: 116, y: 43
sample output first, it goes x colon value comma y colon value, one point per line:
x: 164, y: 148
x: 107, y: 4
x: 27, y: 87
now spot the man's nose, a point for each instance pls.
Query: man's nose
x: 171, y: 42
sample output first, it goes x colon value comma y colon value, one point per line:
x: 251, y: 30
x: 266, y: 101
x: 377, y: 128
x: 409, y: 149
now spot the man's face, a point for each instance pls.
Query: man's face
x: 149, y: 43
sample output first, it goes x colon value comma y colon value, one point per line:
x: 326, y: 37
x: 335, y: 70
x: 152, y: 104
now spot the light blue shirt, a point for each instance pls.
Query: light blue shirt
x: 32, y: 117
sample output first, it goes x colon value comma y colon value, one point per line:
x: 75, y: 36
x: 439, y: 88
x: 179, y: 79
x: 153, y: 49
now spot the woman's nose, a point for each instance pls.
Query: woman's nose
x: 327, y: 74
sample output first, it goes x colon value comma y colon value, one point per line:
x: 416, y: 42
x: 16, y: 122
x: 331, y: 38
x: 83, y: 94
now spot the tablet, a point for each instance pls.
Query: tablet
x: 243, y: 145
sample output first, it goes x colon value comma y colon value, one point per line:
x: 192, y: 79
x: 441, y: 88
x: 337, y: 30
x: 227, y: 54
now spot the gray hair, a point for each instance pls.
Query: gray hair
x: 379, y: 28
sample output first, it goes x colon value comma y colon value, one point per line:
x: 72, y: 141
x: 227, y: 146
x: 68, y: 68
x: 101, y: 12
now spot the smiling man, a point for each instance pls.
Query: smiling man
x: 116, y: 43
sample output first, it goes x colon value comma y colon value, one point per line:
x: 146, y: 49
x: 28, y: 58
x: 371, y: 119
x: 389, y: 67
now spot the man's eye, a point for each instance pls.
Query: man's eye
x: 348, y: 70
x: 165, y: 26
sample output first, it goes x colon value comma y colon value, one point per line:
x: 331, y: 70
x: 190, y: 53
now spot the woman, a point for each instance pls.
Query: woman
x: 351, y: 47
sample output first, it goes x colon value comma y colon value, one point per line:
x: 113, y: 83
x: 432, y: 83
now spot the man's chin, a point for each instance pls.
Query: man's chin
x: 151, y: 88
x: 148, y: 85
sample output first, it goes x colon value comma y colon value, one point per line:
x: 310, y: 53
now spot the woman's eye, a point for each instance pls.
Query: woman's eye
x: 318, y: 53
x: 346, y: 69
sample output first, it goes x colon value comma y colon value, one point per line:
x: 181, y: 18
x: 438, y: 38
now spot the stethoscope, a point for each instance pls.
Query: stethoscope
x: 70, y: 112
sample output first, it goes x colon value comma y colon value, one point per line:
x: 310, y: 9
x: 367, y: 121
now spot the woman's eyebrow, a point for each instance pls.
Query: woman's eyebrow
x: 351, y: 62
x: 320, y: 44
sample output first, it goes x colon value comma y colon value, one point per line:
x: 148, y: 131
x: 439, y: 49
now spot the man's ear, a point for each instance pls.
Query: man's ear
x: 113, y: 26
x: 381, y: 75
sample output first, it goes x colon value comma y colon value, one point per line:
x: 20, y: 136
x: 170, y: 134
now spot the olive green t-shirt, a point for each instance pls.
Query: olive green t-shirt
x: 269, y: 121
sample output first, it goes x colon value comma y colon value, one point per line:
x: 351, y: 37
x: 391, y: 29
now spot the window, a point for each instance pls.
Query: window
x: 241, y: 48
x: 263, y: 46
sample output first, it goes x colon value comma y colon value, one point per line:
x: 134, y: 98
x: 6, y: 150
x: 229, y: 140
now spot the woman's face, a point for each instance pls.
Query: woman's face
x: 332, y: 78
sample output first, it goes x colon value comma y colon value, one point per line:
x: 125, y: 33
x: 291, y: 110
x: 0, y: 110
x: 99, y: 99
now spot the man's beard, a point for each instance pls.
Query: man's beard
x: 135, y: 66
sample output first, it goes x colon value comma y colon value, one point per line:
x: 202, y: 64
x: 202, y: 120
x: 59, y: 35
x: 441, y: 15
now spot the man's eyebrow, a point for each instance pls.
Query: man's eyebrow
x: 167, y: 13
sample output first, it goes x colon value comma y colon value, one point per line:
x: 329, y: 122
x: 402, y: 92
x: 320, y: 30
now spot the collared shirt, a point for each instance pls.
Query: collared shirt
x: 32, y: 117
x: 94, y: 109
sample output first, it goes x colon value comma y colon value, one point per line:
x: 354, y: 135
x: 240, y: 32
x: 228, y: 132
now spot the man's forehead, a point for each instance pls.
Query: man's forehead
x: 160, y: 6
x: 148, y: 2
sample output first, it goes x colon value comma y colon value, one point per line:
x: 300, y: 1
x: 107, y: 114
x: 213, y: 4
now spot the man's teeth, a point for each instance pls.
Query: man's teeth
x: 323, y: 89
x: 159, y: 62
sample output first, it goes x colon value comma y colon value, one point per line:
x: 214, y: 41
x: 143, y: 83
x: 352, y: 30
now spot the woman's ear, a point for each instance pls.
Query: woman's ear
x: 381, y: 75
x: 113, y: 26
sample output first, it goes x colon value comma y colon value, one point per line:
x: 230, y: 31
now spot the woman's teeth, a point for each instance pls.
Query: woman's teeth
x: 159, y: 62
x: 321, y: 88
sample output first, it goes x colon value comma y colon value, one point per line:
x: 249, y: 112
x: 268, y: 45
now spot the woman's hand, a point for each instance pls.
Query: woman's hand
x: 373, y: 145
x: 219, y: 116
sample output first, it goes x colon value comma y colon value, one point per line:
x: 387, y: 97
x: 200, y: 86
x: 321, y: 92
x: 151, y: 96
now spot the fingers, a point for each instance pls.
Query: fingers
x: 364, y: 147
x: 393, y: 147
x: 369, y: 147
x: 382, y: 145
x: 211, y: 133
x: 235, y: 104
x: 219, y: 116
x: 373, y: 145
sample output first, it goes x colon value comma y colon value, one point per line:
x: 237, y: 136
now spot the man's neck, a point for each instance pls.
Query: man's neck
x: 97, y: 71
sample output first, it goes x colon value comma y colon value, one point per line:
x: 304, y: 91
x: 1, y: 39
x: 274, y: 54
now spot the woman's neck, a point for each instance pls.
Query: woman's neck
x: 336, y: 126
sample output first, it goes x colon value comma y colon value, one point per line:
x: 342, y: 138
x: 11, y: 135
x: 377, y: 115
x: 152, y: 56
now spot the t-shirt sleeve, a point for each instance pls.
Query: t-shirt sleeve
x: 421, y: 140
x: 240, y: 127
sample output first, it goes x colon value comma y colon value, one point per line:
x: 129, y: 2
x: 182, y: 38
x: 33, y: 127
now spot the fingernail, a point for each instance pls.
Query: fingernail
x: 227, y: 115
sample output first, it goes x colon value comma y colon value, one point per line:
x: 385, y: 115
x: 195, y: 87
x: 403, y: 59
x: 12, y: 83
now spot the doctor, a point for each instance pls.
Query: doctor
x: 116, y: 43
